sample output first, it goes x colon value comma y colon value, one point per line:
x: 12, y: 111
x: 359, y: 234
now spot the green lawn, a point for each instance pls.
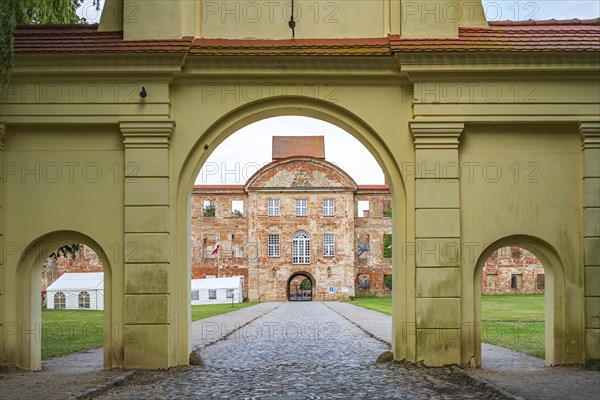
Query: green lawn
x: 515, y: 322
x: 210, y: 310
x: 512, y: 321
x: 68, y: 331
x: 381, y: 304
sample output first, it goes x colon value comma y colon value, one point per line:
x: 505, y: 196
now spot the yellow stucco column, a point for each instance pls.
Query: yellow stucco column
x: 437, y: 245
x: 590, y: 132
x: 146, y: 249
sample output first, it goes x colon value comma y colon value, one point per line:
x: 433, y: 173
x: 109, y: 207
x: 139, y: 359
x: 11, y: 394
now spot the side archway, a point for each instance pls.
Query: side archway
x: 554, y: 299
x: 245, y: 115
x: 28, y: 355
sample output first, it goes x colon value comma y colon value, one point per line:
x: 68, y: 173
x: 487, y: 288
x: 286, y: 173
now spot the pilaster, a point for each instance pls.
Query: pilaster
x: 146, y: 243
x: 437, y: 247
x: 590, y: 133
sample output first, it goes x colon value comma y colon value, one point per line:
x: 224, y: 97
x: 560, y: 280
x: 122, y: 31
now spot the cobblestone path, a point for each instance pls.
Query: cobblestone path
x: 298, y: 351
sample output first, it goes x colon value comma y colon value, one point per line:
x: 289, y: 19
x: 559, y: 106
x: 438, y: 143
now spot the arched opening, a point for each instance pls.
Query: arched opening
x: 42, y: 266
x: 512, y: 302
x: 511, y: 274
x: 262, y: 110
x: 300, y: 286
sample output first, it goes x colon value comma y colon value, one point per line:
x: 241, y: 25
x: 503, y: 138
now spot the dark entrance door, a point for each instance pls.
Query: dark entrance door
x: 300, y: 288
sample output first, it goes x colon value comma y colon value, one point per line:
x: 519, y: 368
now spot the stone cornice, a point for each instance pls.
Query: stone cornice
x: 590, y: 134
x: 147, y: 134
x: 436, y: 134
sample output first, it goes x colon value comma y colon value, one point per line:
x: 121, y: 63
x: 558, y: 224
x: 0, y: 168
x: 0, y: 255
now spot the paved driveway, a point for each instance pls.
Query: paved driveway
x: 298, y: 351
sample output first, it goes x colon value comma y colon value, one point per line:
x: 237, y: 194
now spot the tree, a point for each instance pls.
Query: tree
x: 13, y: 12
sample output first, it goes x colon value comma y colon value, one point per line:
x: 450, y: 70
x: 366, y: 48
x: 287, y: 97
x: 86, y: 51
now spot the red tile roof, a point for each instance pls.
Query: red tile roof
x: 81, y: 38
x: 298, y: 146
x: 513, y: 36
x: 532, y: 36
x: 292, y: 47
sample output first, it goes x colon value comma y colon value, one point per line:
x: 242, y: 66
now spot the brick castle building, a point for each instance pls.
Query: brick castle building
x: 294, y: 230
x: 301, y: 229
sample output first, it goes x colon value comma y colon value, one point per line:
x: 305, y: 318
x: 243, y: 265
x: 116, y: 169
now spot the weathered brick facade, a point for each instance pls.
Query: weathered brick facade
x: 512, y: 270
x: 82, y: 260
x: 297, y: 195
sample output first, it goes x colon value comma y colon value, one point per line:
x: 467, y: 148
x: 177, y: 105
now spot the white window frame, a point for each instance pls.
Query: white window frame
x: 328, y: 208
x: 210, y: 292
x: 301, y: 207
x: 84, y: 300
x: 328, y: 245
x: 195, y: 295
x: 273, y: 209
x: 301, y: 248
x: 273, y: 242
x: 229, y: 293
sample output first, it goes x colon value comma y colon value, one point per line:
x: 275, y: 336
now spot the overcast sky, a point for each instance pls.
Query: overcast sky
x: 233, y: 163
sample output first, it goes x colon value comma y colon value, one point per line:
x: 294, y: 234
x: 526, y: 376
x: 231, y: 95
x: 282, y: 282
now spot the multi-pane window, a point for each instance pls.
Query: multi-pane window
x: 195, y: 295
x: 60, y: 301
x: 328, y: 245
x: 84, y: 299
x: 229, y: 293
x: 301, y: 208
x: 328, y: 208
x: 301, y: 248
x: 274, y: 245
x: 212, y: 294
x: 273, y: 208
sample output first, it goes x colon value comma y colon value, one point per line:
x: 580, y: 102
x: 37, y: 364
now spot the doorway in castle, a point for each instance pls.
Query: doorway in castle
x: 300, y: 287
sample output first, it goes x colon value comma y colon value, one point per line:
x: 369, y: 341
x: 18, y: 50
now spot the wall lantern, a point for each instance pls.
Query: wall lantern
x: 328, y: 272
x: 273, y: 271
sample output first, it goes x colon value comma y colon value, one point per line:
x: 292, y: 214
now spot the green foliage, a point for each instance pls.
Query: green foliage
x: 387, y: 282
x: 68, y: 250
x: 237, y: 214
x: 306, y: 285
x: 387, y: 245
x: 13, y: 12
x: 388, y: 213
x: 209, y: 209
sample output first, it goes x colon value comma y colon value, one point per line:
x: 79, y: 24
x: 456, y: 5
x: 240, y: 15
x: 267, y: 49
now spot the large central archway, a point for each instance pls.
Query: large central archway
x: 253, y: 112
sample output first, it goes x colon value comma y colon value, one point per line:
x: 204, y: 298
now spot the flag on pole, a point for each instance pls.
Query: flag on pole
x: 216, y: 249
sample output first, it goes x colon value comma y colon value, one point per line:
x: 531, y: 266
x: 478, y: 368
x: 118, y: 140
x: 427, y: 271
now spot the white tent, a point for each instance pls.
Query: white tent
x: 77, y: 291
x: 216, y: 290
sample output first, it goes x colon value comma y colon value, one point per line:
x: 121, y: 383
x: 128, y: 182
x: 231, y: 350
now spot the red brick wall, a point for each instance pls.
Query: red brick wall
x: 507, y: 262
x: 83, y: 260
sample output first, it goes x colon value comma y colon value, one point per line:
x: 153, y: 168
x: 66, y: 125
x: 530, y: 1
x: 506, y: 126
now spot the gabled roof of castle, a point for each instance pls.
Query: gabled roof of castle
x: 573, y: 35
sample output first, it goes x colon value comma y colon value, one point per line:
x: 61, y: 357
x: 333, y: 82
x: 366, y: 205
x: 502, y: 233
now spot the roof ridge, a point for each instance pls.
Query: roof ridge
x: 546, y: 22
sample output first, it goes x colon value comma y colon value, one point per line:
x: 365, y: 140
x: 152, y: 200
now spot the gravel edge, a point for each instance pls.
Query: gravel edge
x: 103, y: 387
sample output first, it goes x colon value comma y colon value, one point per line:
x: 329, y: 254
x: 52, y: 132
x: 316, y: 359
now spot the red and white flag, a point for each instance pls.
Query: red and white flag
x: 217, y: 245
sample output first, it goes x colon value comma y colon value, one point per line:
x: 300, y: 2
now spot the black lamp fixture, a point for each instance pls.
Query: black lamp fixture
x: 292, y: 23
x: 143, y: 93
x: 273, y: 271
x: 328, y: 272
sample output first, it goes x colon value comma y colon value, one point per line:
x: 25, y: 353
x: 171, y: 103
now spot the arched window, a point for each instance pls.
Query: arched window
x: 84, y: 299
x: 60, y: 302
x: 301, y: 248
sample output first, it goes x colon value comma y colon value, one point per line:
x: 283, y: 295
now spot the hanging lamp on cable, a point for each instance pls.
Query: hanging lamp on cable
x: 292, y: 23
